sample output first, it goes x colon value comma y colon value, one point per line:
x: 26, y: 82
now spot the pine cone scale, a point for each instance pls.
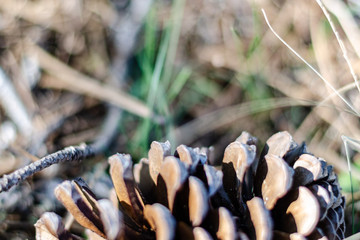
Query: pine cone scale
x: 285, y: 193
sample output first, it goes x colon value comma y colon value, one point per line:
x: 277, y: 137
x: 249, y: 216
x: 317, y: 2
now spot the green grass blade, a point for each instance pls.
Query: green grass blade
x: 178, y: 84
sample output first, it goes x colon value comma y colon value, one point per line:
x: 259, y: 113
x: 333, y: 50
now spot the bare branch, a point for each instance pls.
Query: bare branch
x: 68, y: 154
x: 126, y: 29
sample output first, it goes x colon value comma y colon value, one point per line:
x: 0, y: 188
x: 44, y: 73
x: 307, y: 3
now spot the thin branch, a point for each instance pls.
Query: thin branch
x: 78, y: 82
x: 68, y: 154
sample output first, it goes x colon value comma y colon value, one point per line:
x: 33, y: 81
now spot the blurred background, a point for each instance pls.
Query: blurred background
x: 123, y: 73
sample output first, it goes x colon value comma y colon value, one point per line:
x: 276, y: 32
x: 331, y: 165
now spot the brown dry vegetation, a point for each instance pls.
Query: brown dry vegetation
x: 199, y: 73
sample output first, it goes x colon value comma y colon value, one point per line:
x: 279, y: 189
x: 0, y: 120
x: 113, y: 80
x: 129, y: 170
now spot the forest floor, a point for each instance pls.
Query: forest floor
x: 125, y: 73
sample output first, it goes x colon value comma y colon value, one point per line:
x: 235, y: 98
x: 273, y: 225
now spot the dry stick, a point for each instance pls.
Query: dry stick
x: 77, y: 82
x: 13, y: 105
x: 34, y: 12
x: 68, y: 154
x: 125, y: 28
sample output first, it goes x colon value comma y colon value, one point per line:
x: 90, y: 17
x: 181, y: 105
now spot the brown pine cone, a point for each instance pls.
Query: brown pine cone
x: 285, y: 193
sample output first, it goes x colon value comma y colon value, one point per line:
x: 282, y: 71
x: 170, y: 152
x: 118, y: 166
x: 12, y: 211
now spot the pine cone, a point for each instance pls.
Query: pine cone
x: 285, y: 193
